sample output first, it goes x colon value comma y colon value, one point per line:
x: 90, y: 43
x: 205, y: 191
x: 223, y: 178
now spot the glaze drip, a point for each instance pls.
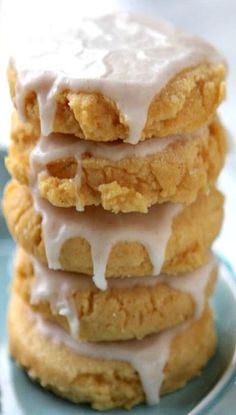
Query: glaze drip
x: 103, y: 230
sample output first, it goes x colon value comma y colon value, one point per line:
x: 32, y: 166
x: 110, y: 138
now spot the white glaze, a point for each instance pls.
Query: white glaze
x: 147, y: 356
x: 128, y: 58
x: 57, y: 288
x: 103, y: 230
x: 59, y: 146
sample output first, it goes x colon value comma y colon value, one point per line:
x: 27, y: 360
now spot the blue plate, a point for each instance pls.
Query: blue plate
x: 213, y: 393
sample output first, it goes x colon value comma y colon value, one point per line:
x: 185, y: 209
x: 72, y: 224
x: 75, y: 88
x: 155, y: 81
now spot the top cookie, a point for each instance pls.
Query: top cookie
x: 118, y: 77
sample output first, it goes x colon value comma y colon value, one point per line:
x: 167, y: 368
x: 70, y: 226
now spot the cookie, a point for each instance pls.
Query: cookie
x: 130, y: 308
x: 104, y: 383
x: 192, y: 232
x: 119, y: 177
x: 158, y: 82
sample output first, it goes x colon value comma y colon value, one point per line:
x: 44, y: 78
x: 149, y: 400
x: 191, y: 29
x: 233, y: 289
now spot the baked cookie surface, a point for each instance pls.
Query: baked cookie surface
x: 105, y: 384
x: 193, y: 231
x: 86, y: 176
x: 125, y: 311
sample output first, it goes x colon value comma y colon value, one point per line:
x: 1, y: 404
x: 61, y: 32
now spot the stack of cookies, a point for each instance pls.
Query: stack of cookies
x: 115, y: 151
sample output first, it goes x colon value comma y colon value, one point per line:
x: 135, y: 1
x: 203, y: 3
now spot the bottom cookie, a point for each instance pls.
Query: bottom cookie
x: 131, y: 372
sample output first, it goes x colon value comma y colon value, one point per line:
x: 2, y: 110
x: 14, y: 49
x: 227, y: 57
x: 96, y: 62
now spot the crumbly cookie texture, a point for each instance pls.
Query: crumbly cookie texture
x: 188, y: 101
x: 136, y: 311
x: 105, y: 384
x: 193, y: 231
x: 179, y: 173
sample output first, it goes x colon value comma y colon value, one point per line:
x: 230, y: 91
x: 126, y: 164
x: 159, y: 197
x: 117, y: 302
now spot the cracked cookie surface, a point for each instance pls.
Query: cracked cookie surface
x: 178, y: 173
